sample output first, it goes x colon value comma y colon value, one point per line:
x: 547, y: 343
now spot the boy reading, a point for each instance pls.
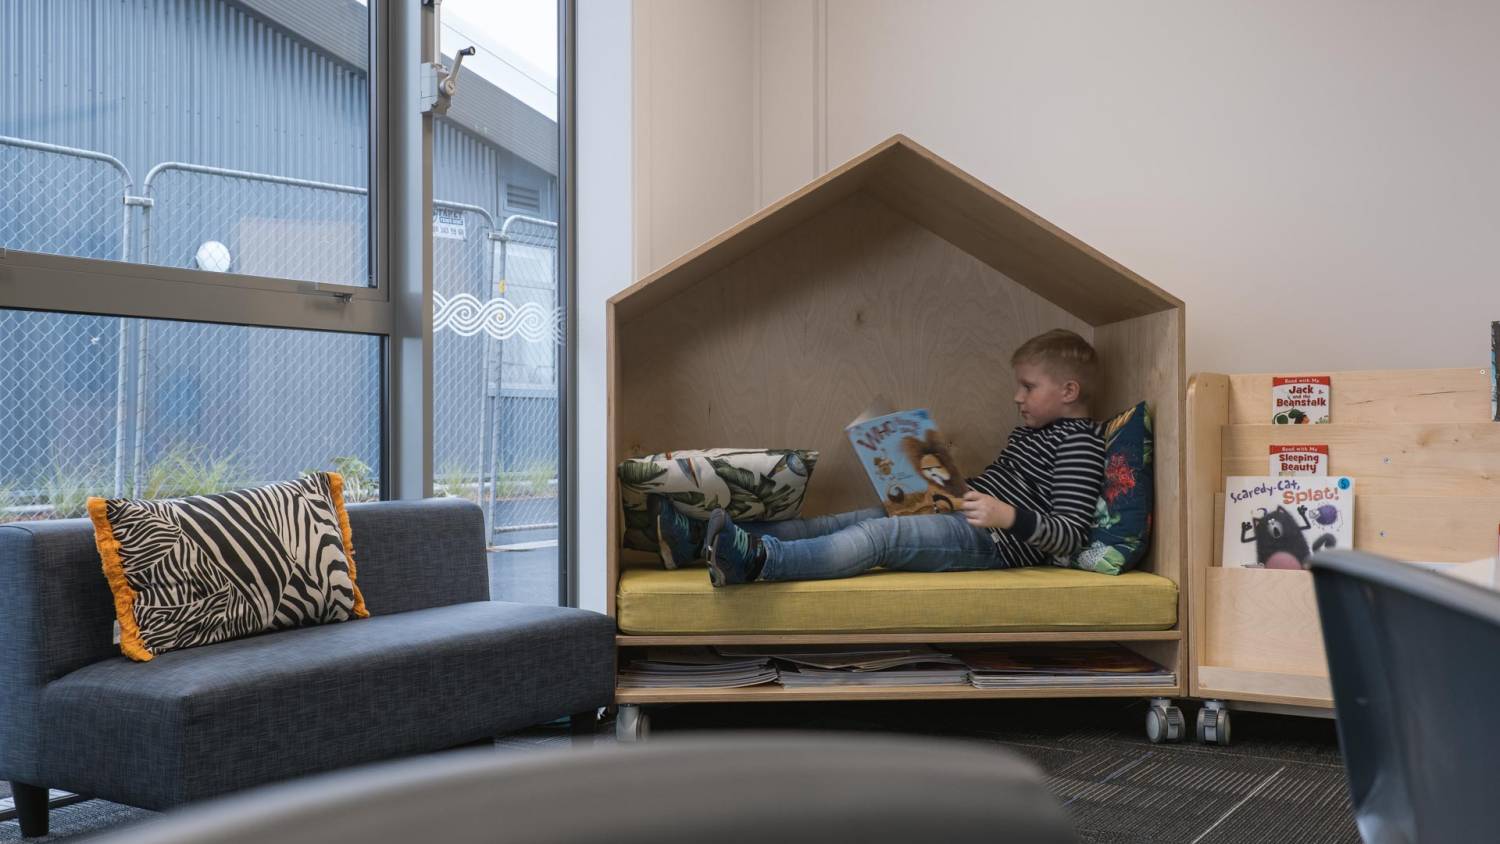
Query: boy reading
x: 1034, y: 501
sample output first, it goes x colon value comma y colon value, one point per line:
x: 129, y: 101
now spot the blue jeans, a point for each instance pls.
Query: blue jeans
x: 847, y: 544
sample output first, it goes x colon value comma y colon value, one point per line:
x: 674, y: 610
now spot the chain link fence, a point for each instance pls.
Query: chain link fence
x: 63, y: 201
x: 532, y: 342
x: 150, y: 407
x: 462, y: 278
x: 495, y: 336
x: 266, y: 225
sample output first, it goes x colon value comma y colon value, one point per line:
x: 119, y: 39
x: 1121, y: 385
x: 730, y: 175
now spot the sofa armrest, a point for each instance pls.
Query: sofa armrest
x: 411, y: 555
x: 56, y: 615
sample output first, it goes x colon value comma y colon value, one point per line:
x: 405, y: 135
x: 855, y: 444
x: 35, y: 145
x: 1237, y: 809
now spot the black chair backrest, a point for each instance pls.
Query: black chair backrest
x: 1414, y: 657
x: 803, y: 788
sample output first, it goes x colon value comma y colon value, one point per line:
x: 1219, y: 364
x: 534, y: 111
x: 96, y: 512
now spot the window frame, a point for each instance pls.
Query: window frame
x: 396, y: 307
x: 36, y: 281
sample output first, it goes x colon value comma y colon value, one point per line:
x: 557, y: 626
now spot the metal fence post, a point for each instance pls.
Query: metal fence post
x: 494, y: 351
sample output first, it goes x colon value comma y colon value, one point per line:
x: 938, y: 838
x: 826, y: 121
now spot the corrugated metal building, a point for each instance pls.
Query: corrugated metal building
x: 276, y: 91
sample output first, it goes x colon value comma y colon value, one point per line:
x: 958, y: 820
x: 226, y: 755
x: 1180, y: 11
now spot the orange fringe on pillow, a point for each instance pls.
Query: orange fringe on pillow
x: 336, y: 484
x: 114, y: 570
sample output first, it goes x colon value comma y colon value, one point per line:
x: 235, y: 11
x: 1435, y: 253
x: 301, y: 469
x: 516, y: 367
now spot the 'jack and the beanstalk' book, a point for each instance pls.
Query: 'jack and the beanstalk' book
x: 1300, y: 399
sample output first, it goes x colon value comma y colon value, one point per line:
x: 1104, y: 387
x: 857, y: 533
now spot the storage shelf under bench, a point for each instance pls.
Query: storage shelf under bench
x: 772, y: 693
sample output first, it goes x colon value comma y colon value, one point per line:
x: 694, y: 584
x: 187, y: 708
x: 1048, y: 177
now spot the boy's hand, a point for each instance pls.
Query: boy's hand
x: 987, y: 511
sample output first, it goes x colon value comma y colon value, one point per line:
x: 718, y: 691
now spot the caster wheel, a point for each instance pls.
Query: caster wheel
x: 1164, y: 722
x: 632, y: 725
x: 1213, y: 724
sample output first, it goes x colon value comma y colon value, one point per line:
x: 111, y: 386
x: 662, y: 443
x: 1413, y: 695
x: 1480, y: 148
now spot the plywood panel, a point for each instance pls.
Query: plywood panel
x: 1389, y: 459
x: 1262, y: 620
x: 731, y: 245
x: 627, y: 640
x: 1269, y: 686
x: 1142, y: 359
x: 1207, y: 407
x: 945, y: 200
x: 1443, y: 529
x: 1218, y: 530
x: 1385, y: 395
x: 785, y: 346
x: 1012, y: 239
x: 614, y: 520
x: 1169, y: 655
x: 773, y: 693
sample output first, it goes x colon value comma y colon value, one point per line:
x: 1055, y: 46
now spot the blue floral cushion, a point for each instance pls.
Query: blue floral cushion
x: 1122, y: 517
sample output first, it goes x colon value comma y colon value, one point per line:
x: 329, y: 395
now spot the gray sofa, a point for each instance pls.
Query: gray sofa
x: 436, y: 665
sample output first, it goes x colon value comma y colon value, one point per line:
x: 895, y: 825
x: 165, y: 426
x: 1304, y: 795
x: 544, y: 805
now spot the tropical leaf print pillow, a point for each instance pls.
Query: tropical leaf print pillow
x: 209, y: 568
x: 1122, y: 515
x: 751, y: 484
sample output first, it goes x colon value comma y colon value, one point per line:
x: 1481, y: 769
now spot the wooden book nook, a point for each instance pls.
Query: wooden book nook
x: 896, y: 274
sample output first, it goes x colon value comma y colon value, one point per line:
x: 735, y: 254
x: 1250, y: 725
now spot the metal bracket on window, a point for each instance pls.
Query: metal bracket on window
x: 439, y: 84
x: 316, y: 289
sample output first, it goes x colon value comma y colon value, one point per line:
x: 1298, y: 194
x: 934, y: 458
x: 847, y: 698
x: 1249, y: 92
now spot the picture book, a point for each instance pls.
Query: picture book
x: 1107, y: 658
x: 907, y: 460
x: 1299, y: 460
x: 1278, y: 522
x: 1041, y: 666
x: 1300, y: 400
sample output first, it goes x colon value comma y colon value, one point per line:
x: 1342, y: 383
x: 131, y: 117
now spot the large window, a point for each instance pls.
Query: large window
x: 203, y: 287
x: 185, y: 133
x: 93, y: 405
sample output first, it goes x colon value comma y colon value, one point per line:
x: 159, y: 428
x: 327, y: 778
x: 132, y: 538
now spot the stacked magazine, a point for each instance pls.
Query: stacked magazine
x: 695, y: 667
x: 1066, y: 666
x: 913, y: 665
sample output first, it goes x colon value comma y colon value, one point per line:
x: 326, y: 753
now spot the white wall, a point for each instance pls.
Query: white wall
x: 694, y: 129
x: 1317, y: 181
x: 604, y: 257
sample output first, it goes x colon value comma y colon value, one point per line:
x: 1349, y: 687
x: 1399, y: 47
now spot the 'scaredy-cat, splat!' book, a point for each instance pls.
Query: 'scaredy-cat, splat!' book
x: 1278, y: 522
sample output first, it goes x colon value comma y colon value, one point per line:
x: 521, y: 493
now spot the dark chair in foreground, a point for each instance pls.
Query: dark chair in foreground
x: 746, y: 787
x: 1414, y: 657
x: 436, y: 665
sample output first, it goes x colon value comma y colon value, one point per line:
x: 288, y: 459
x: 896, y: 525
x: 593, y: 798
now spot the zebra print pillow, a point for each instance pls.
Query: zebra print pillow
x: 209, y: 568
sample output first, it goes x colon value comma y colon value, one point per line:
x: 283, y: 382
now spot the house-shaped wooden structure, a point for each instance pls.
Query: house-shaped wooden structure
x: 894, y: 275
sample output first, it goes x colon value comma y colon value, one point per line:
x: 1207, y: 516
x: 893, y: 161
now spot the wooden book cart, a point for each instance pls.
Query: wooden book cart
x: 1426, y: 462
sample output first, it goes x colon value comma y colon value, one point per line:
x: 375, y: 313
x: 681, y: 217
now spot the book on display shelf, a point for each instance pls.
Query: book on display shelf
x: 1275, y: 522
x: 1298, y: 460
x: 1301, y: 399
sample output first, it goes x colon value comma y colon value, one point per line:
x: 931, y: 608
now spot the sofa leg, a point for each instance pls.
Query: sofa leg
x: 31, y: 809
x: 583, y: 726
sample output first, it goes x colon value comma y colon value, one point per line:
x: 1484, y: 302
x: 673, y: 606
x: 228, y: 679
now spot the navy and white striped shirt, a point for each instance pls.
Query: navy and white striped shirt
x: 1052, y: 476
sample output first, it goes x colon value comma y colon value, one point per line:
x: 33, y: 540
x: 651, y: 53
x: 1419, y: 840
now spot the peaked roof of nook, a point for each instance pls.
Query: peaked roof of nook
x: 933, y: 193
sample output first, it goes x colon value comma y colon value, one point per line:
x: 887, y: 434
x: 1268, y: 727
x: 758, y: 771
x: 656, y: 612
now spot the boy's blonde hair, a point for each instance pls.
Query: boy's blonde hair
x: 1065, y: 356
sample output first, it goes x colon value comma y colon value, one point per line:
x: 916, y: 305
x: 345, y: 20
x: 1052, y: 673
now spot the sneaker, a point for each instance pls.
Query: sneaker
x: 734, y: 556
x: 679, y: 537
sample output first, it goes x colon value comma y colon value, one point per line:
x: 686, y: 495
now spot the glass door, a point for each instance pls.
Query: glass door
x: 498, y: 302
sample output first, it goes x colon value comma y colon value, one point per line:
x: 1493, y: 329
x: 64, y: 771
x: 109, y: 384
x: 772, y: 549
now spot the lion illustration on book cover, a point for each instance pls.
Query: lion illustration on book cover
x: 908, y: 462
x: 944, y: 488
